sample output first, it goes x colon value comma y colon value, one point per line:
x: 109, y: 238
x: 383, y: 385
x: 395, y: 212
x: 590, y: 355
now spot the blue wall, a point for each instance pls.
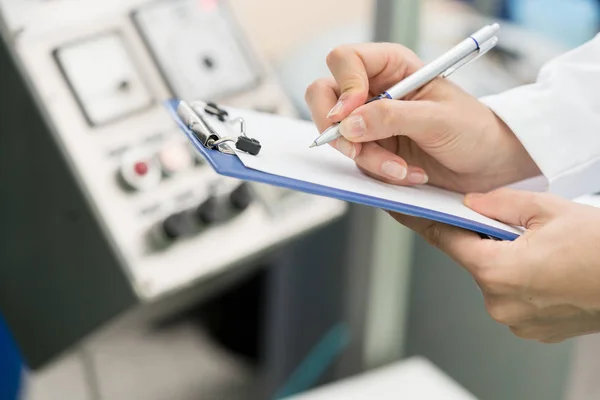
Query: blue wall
x: 10, y: 365
x: 569, y: 22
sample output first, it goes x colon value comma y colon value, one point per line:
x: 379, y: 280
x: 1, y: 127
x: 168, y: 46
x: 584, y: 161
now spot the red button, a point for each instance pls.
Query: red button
x: 141, y: 168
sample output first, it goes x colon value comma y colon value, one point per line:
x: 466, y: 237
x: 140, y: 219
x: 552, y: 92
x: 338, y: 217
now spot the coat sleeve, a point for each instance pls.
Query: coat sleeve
x: 557, y: 119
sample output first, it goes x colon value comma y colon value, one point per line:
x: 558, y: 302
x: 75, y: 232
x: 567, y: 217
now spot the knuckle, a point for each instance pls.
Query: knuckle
x: 313, y: 89
x: 345, y: 58
x: 531, y: 332
x: 545, y: 203
x: 535, y: 199
x: 402, y: 55
x: 492, y: 279
x: 338, y: 53
x: 499, y: 313
x: 521, y: 332
x: 481, y: 272
x: 310, y: 90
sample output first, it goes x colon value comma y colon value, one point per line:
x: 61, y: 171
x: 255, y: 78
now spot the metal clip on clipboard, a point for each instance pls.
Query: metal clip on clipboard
x: 192, y: 116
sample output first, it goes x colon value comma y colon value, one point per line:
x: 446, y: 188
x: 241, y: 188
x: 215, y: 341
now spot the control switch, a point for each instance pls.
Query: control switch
x: 178, y: 225
x: 139, y: 171
x: 212, y: 211
x: 175, y: 157
x: 241, y: 197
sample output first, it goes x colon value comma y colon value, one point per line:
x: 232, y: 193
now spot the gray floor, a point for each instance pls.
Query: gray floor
x: 131, y: 361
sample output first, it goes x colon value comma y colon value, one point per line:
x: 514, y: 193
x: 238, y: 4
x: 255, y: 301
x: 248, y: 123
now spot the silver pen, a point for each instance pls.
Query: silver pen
x: 463, y: 53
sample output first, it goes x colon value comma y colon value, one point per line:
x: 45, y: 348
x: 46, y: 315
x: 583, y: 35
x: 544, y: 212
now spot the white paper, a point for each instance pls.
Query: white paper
x: 589, y: 200
x: 536, y: 184
x: 285, y: 152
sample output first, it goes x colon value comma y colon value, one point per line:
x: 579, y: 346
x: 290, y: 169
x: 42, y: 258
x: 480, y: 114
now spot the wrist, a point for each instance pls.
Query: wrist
x: 514, y: 163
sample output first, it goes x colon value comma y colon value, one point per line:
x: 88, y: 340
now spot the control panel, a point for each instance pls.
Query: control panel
x: 103, y: 78
x: 101, y: 72
x: 196, y: 47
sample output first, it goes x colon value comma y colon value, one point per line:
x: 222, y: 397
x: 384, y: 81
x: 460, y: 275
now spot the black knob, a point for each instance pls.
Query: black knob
x: 178, y: 225
x: 241, y: 197
x: 211, y: 211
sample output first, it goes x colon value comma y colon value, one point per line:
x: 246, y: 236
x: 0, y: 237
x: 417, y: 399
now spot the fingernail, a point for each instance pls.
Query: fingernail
x: 346, y: 148
x: 394, y: 170
x: 336, y: 109
x: 354, y: 126
x: 418, y: 178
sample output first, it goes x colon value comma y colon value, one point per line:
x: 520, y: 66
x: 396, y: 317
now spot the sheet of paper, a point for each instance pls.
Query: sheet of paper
x: 285, y: 152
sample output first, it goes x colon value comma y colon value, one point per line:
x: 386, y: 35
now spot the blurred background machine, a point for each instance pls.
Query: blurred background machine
x: 129, y: 270
x: 106, y: 210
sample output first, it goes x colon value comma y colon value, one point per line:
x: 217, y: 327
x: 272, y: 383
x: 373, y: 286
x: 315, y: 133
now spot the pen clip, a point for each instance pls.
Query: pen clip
x: 483, y: 49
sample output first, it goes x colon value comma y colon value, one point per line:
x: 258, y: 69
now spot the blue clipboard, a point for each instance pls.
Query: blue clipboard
x: 231, y: 166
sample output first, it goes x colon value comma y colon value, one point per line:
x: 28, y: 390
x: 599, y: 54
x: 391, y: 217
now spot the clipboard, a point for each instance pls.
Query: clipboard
x: 223, y: 159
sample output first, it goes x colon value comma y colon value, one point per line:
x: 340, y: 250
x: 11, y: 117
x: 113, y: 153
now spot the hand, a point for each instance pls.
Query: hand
x: 441, y: 134
x: 546, y: 284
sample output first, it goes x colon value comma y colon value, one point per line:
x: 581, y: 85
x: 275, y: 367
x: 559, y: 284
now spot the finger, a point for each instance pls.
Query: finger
x: 320, y: 96
x: 508, y: 311
x: 554, y: 340
x: 421, y: 121
x: 515, y: 207
x: 388, y: 166
x: 552, y: 332
x: 562, y: 337
x: 528, y: 332
x: 464, y: 247
x: 353, y: 65
x: 347, y: 148
x: 578, y: 323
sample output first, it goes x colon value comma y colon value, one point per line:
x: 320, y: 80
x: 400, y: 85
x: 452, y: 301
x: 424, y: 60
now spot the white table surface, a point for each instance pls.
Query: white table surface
x: 411, y: 379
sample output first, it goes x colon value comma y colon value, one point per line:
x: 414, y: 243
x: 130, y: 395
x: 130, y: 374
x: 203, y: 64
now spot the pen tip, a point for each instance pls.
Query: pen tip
x: 313, y: 144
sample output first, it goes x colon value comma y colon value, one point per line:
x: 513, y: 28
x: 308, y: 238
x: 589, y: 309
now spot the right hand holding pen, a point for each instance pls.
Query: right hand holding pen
x: 438, y: 134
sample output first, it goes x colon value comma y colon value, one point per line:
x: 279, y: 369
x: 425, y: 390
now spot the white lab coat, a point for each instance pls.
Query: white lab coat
x: 558, y: 120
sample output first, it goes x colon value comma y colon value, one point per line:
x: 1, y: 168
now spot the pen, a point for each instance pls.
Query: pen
x: 463, y: 53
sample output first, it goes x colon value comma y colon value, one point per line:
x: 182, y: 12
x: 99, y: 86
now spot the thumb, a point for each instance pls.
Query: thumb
x: 515, y: 207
